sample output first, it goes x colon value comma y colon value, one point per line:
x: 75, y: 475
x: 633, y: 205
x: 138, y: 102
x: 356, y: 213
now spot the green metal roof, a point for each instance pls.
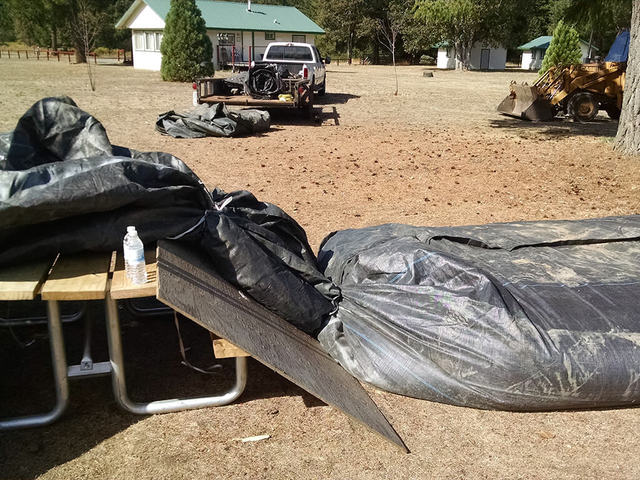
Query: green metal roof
x: 234, y: 16
x: 542, y: 43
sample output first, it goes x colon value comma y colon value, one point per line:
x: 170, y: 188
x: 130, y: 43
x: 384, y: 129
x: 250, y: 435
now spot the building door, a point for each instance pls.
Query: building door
x: 485, y: 54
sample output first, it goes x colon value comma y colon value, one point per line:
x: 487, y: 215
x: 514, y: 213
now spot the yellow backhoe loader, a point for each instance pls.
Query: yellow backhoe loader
x: 577, y: 90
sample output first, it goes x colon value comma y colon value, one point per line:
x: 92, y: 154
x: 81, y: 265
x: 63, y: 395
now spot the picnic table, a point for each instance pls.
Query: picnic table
x: 97, y: 276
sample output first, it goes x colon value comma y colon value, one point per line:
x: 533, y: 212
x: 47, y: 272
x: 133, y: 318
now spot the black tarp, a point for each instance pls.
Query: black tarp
x: 65, y: 188
x: 213, y: 121
x: 515, y: 316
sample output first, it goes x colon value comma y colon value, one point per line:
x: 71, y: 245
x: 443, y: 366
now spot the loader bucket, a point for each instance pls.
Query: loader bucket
x: 524, y: 102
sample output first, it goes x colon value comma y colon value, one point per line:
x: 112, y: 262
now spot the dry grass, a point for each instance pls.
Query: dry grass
x: 437, y: 154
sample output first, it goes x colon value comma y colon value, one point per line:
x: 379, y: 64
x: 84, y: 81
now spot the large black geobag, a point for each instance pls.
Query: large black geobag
x: 213, y: 121
x: 515, y: 316
x: 65, y: 188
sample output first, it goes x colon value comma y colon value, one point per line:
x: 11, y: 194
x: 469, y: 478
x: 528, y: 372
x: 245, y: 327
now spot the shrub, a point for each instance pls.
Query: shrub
x: 186, y: 48
x: 104, y: 51
x: 427, y: 60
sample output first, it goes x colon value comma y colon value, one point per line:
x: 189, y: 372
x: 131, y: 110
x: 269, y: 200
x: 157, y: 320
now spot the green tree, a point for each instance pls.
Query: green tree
x: 346, y: 23
x: 416, y: 36
x: 530, y: 21
x: 39, y: 22
x: 186, y: 48
x: 109, y: 36
x: 80, y: 23
x: 564, y: 48
x: 6, y: 24
x: 464, y: 23
x: 598, y: 21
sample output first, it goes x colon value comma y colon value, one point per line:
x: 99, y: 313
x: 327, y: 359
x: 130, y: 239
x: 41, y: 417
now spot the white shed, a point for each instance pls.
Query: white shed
x: 533, y: 52
x: 483, y: 57
x: 239, y: 32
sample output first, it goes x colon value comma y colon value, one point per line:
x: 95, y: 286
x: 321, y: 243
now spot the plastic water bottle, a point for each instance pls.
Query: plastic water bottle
x: 135, y: 266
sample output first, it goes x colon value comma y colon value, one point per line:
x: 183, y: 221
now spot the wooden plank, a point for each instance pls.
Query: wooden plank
x: 246, y: 101
x: 121, y: 286
x: 189, y: 284
x: 78, y: 277
x: 225, y: 349
x: 22, y: 282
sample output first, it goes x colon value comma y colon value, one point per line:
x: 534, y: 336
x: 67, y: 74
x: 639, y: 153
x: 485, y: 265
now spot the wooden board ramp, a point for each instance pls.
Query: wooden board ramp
x: 189, y: 284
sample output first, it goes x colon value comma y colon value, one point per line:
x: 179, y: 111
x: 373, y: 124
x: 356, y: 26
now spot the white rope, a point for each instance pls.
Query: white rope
x: 178, y: 237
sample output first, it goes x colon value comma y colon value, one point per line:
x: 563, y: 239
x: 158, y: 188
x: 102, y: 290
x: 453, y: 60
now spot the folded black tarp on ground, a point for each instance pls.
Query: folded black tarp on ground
x: 65, y: 188
x: 213, y: 121
x: 515, y: 316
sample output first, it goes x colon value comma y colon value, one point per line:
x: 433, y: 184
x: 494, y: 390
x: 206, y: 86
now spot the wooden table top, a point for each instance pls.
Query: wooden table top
x: 85, y: 276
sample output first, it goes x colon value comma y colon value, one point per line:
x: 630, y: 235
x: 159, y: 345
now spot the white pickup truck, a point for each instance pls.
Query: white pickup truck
x: 301, y: 58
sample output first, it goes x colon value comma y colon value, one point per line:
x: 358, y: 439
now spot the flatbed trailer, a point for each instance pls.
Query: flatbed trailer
x: 214, y: 90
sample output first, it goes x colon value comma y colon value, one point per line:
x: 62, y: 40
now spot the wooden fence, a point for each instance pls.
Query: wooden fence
x: 48, y: 54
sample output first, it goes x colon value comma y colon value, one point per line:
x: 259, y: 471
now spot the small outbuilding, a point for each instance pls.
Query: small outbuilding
x: 483, y: 57
x: 239, y: 32
x: 534, y: 51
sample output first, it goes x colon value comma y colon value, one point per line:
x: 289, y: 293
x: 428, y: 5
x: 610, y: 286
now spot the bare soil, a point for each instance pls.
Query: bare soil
x: 436, y: 154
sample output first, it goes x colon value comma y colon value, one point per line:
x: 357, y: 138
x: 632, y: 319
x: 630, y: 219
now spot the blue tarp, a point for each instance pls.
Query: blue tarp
x: 620, y: 49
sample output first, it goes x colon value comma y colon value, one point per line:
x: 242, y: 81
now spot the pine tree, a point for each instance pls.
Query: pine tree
x: 186, y: 48
x: 564, y: 48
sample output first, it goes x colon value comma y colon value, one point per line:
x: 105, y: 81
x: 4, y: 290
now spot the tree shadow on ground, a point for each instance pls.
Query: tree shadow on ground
x: 153, y: 371
x: 558, y: 127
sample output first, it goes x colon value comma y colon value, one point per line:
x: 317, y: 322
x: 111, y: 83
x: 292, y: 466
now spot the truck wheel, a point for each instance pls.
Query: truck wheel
x: 583, y: 107
x: 613, y: 111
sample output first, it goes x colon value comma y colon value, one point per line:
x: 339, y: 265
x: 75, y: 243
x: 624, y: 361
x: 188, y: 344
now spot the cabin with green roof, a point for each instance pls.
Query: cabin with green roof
x: 239, y: 32
x: 533, y: 52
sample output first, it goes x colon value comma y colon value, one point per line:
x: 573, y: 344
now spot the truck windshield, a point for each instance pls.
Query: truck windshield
x: 286, y: 52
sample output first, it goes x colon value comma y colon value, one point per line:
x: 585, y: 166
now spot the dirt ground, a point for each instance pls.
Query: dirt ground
x: 437, y: 154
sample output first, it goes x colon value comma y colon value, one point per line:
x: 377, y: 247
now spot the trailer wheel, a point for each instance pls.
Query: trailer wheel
x: 613, y: 111
x: 583, y: 107
x: 309, y: 105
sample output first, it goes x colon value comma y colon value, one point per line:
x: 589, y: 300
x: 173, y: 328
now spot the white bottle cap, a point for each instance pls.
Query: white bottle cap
x: 132, y: 231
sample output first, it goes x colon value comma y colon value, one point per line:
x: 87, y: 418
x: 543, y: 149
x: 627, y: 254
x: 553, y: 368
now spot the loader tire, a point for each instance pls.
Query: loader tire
x: 613, y: 111
x: 583, y: 107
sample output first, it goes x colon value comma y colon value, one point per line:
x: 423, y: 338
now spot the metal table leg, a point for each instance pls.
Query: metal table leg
x: 59, y: 361
x: 161, y: 406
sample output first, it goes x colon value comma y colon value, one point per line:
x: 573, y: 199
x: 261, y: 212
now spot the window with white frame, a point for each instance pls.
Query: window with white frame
x: 147, y: 41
